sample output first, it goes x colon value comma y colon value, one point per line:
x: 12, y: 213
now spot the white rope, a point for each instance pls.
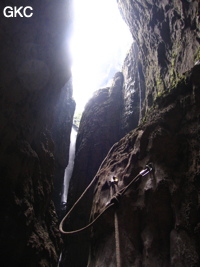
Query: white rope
x: 113, y: 190
x: 117, y: 241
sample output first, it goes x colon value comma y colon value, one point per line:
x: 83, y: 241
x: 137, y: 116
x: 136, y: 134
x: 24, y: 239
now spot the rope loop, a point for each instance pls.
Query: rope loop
x: 114, y: 201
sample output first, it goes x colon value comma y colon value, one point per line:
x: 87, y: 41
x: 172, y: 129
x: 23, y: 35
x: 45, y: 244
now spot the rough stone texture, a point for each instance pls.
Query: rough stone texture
x: 159, y: 216
x: 99, y: 130
x: 133, y: 90
x: 34, y: 67
x: 167, y: 34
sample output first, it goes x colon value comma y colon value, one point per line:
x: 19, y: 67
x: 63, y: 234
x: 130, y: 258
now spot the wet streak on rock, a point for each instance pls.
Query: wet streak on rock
x: 167, y: 35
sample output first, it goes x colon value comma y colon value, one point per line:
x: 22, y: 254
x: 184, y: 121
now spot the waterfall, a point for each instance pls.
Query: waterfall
x: 69, y: 169
x: 140, y: 97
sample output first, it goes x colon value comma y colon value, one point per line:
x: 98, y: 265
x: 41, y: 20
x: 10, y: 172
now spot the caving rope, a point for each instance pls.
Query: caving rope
x: 113, y: 190
x: 114, y: 201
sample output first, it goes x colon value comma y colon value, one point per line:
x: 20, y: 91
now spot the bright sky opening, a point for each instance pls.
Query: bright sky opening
x: 99, y: 45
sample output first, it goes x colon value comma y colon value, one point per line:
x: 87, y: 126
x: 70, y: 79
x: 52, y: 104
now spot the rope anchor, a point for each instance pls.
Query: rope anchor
x: 115, y: 197
x: 148, y: 169
x: 113, y: 201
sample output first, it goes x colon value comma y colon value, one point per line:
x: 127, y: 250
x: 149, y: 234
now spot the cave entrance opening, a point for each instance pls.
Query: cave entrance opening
x: 99, y: 43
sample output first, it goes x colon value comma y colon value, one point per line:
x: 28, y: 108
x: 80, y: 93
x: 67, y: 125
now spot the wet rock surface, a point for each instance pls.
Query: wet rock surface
x: 160, y: 94
x: 159, y: 215
x: 133, y: 90
x: 167, y: 35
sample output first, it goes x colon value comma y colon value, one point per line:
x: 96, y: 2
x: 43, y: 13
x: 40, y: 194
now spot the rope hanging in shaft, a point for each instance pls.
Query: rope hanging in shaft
x: 113, y: 201
x: 117, y: 240
x: 113, y: 190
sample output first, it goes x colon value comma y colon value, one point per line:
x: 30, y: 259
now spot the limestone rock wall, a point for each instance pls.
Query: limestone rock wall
x: 159, y: 215
x: 99, y: 130
x: 34, y: 67
x: 167, y: 35
x: 133, y: 90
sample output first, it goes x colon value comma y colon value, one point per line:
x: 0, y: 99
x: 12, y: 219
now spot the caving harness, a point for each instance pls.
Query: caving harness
x: 115, y: 196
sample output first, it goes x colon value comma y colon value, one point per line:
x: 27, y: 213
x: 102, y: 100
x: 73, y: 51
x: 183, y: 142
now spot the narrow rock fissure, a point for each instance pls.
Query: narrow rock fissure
x: 148, y: 113
x: 131, y: 103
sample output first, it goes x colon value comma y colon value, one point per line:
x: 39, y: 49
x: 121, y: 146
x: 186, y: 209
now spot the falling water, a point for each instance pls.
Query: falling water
x: 69, y: 169
x: 140, y: 97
